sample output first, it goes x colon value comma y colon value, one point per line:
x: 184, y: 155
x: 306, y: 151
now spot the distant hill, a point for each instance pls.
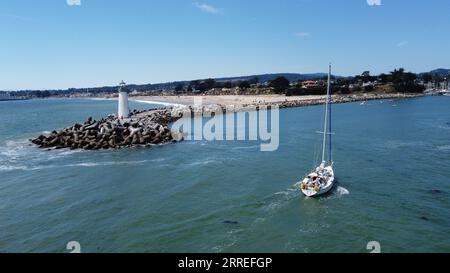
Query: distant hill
x: 171, y: 85
x: 269, y: 77
x: 440, y: 72
x: 261, y: 79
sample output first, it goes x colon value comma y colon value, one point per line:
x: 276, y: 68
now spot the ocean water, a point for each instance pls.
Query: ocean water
x: 392, y: 163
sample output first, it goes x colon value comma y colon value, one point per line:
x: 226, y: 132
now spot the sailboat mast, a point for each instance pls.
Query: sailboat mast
x: 326, y: 115
x: 330, y: 155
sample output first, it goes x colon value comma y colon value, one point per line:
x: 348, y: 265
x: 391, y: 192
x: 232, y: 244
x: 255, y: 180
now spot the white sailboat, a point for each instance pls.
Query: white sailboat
x: 321, y: 180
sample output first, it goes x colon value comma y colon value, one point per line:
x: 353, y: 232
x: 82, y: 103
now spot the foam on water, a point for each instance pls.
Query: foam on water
x: 12, y: 168
x: 313, y: 228
x: 246, y: 147
x: 342, y: 191
x: 281, y: 198
x: 444, y: 148
x: 84, y: 164
x: 108, y: 163
x: 101, y: 99
x: 22, y: 155
x: 282, y: 193
x: 160, y: 103
x: 203, y: 162
x: 398, y: 144
x: 231, y: 238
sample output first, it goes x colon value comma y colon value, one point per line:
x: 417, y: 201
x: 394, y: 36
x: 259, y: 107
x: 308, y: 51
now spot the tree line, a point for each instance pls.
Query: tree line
x: 200, y: 86
x: 397, y: 80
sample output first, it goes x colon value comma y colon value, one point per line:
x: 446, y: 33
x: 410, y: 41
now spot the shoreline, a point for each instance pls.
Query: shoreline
x: 249, y: 101
x: 159, y: 103
x: 244, y: 102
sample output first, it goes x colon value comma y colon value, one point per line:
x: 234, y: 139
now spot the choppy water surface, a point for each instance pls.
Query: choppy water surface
x: 392, y: 165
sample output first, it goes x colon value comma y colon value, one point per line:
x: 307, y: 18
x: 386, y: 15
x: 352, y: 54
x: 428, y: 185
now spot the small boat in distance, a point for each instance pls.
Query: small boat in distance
x: 321, y: 180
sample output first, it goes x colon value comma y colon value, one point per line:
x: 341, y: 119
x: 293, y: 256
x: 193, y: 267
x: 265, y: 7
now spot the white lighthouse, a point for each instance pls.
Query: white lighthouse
x: 124, y: 110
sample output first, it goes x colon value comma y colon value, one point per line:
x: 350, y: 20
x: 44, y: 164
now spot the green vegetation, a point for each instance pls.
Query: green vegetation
x: 405, y: 81
x: 244, y: 85
x: 396, y: 81
x: 280, y: 85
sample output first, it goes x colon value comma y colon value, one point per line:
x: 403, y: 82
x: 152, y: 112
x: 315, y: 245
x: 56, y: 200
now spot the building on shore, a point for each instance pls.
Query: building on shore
x: 5, y: 96
x: 310, y: 84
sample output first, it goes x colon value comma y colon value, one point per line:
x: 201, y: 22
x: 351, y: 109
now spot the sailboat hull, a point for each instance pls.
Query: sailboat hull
x: 311, y: 191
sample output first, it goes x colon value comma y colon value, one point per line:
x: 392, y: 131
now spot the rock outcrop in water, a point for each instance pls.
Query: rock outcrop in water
x: 143, y: 128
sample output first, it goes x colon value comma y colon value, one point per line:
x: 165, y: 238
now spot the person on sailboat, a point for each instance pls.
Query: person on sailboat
x: 317, y: 180
x: 311, y: 182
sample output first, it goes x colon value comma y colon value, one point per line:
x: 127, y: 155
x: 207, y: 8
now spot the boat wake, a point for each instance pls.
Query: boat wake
x: 270, y: 207
x: 280, y: 199
x: 342, y: 191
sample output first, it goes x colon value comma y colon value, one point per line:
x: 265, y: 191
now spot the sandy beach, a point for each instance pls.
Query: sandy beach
x: 281, y: 101
x: 227, y: 99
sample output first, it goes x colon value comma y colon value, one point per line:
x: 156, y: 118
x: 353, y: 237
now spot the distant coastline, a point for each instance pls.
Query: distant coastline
x: 278, y: 90
x: 290, y: 84
x: 241, y: 102
x: 13, y: 99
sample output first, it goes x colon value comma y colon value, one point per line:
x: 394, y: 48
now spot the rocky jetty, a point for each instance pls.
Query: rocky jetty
x: 144, y: 128
x: 346, y: 99
x: 246, y: 107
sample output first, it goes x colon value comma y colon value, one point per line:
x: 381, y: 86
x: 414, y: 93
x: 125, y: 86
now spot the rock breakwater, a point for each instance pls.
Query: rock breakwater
x: 143, y: 128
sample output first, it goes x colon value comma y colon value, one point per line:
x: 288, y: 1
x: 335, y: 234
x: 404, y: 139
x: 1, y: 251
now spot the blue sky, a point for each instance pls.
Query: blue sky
x: 51, y: 44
